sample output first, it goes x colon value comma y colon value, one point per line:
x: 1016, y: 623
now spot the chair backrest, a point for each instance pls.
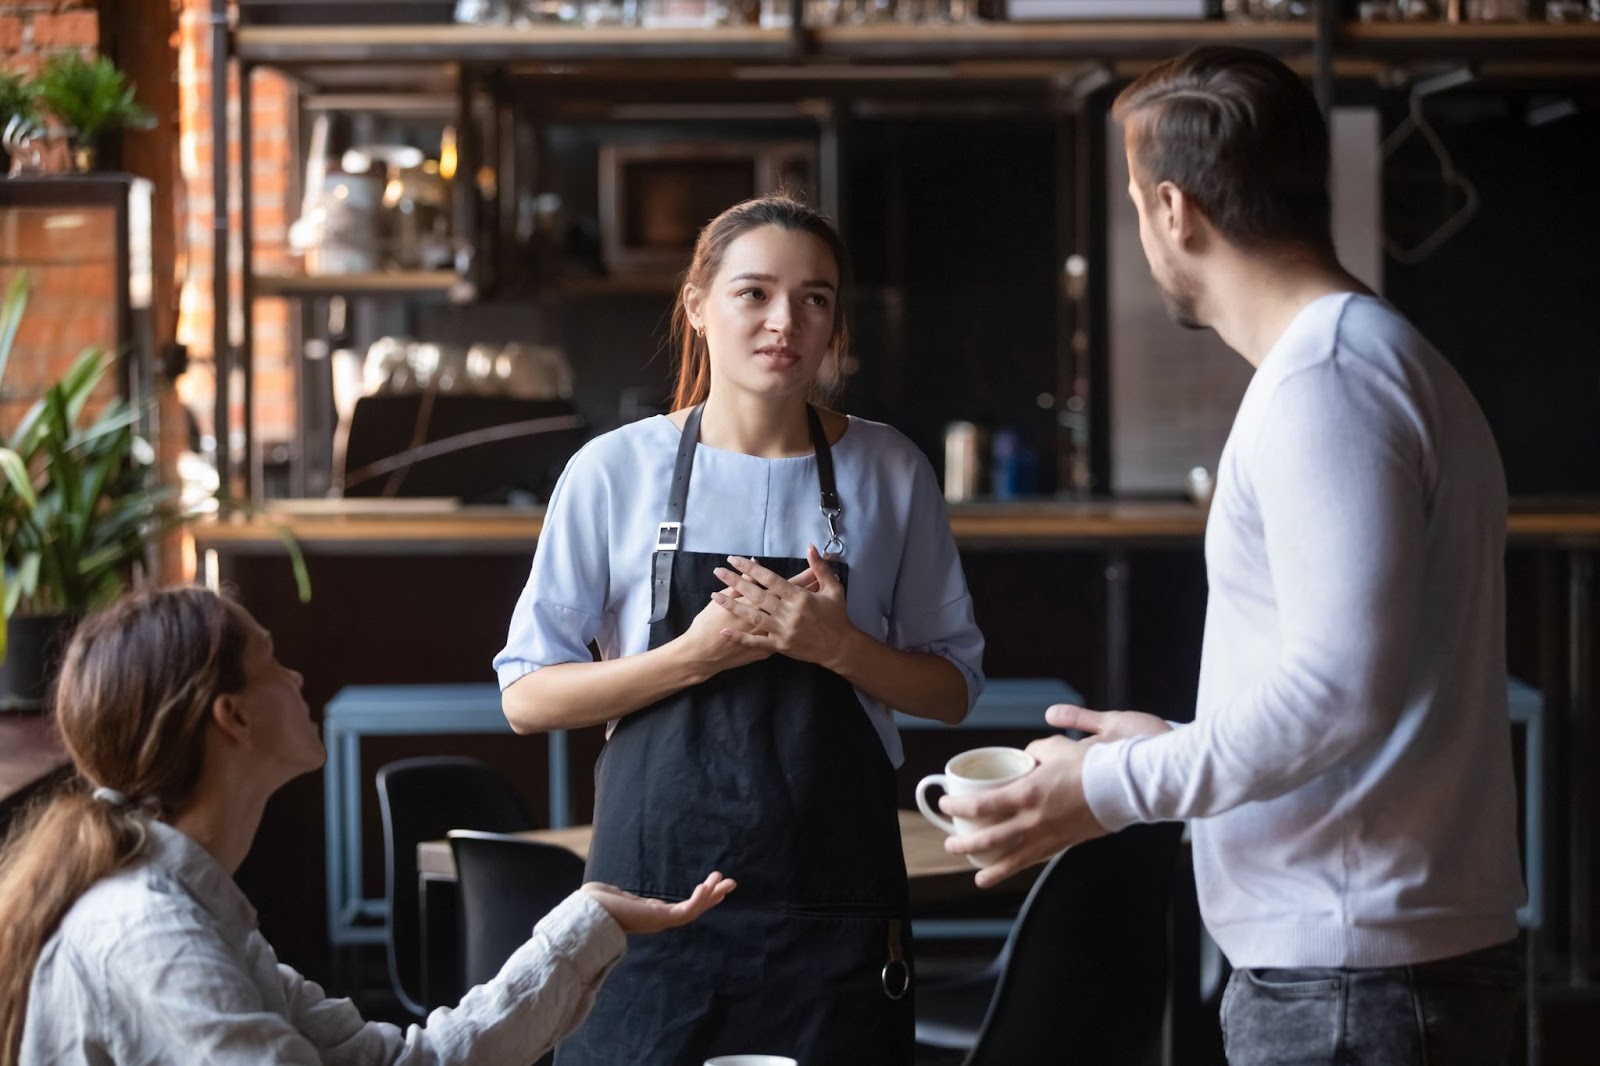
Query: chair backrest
x: 507, y: 884
x: 423, y: 799
x: 1084, y: 976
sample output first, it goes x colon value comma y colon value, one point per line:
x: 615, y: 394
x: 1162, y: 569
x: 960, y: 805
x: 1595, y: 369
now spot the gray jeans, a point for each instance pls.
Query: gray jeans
x: 1453, y: 1012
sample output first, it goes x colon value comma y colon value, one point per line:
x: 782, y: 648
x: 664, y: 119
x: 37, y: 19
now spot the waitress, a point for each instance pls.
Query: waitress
x: 765, y: 580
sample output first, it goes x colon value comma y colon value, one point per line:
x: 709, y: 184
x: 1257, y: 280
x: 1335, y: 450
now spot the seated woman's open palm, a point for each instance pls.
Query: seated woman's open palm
x: 637, y: 914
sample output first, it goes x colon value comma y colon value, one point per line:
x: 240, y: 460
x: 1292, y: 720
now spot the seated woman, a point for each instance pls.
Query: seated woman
x: 125, y: 937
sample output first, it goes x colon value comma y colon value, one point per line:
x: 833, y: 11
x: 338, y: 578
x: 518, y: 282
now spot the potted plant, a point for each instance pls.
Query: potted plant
x: 18, y: 102
x: 91, y: 98
x: 79, y: 505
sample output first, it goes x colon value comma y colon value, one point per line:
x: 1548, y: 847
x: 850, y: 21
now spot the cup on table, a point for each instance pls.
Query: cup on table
x: 972, y: 771
x: 751, y: 1060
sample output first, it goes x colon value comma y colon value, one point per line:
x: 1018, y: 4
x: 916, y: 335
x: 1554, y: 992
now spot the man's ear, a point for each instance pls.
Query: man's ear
x: 1173, y: 213
x: 227, y: 714
x: 1181, y: 218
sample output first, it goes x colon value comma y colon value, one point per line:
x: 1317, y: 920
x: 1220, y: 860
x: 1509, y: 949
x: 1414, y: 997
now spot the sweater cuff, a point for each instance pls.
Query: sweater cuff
x: 584, y: 931
x: 1103, y: 790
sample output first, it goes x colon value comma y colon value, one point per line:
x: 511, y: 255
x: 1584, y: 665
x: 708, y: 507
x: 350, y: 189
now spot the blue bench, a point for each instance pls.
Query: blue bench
x: 419, y: 710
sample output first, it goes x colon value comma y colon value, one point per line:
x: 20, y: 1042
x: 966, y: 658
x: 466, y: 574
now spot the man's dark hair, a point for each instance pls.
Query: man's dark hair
x: 1242, y: 136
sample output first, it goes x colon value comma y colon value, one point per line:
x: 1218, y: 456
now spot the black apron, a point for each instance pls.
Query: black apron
x: 772, y: 774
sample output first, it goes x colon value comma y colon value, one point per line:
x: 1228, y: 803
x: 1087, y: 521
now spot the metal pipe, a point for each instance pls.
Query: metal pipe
x: 220, y: 360
x: 254, y: 473
x: 1326, y: 13
x: 1580, y: 767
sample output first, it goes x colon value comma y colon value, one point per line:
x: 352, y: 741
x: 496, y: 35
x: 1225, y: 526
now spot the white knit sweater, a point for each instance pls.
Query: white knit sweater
x: 1349, y: 766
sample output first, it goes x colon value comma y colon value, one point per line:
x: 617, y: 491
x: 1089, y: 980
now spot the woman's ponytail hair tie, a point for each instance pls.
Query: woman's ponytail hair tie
x: 111, y: 796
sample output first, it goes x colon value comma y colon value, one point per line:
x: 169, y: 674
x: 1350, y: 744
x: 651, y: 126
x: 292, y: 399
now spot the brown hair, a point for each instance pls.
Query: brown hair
x: 135, y: 692
x: 785, y: 212
x: 1243, y: 137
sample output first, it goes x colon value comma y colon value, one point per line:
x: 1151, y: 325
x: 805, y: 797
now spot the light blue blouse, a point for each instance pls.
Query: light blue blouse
x: 591, y: 572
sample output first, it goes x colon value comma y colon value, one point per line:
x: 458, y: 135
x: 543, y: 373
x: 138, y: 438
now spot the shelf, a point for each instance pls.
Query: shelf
x: 1482, y: 41
x: 359, y: 526
x: 442, y: 283
x: 1052, y: 40
x: 298, y: 46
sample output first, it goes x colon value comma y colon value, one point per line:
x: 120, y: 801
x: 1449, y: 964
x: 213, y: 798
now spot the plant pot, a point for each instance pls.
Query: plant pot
x: 34, y: 646
x: 83, y: 157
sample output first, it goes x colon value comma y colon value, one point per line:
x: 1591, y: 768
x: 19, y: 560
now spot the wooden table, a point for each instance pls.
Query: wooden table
x: 359, y: 711
x: 936, y: 875
x: 30, y: 751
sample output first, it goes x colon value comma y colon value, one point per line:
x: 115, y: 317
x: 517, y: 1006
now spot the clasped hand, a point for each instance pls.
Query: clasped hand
x: 805, y: 618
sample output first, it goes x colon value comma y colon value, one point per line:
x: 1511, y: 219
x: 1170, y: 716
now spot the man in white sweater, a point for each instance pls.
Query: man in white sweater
x: 1348, y: 771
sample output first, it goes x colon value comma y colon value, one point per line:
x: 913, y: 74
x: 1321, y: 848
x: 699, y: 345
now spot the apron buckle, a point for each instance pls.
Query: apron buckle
x: 896, y: 975
x: 835, y: 545
x: 668, y: 536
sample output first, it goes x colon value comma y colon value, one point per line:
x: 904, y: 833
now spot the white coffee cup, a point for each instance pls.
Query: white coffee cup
x: 751, y: 1060
x: 973, y: 771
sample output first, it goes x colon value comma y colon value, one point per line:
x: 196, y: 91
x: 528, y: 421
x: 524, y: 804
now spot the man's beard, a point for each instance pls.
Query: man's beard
x: 1180, y: 304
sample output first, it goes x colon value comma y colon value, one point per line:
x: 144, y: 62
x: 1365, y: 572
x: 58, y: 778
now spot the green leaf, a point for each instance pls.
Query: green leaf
x: 62, y: 469
x: 16, y: 301
x: 13, y: 594
x: 76, y: 513
x: 25, y: 440
x: 16, y: 472
x: 297, y: 561
x: 81, y: 378
x: 89, y: 96
x: 23, y: 584
x: 114, y: 432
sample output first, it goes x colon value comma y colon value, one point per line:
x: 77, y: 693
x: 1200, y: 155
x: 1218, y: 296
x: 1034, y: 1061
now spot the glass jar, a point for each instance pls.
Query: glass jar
x: 1265, y: 10
x: 483, y: 12
x: 1497, y: 10
x: 1566, y: 10
x: 678, y: 14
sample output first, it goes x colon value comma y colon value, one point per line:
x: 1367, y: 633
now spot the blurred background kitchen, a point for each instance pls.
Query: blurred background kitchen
x: 386, y: 265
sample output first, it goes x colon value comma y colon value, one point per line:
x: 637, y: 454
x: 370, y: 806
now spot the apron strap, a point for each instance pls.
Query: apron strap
x: 830, y: 496
x: 669, y: 535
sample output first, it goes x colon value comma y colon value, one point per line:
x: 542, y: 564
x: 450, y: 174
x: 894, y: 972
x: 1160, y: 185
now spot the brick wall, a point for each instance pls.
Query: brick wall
x: 70, y: 259
x: 31, y: 30
x: 272, y: 111
x: 69, y: 256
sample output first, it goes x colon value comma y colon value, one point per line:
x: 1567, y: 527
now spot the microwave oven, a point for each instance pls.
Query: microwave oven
x: 655, y: 197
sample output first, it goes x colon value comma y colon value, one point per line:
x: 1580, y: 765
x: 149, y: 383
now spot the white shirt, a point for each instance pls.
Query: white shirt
x: 1350, y: 761
x: 591, y: 573
x: 162, y: 963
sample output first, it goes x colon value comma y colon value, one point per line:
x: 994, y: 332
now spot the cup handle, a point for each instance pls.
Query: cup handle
x: 927, y: 809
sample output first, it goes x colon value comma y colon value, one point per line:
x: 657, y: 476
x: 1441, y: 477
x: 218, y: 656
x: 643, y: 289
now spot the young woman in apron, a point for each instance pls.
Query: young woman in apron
x: 765, y: 580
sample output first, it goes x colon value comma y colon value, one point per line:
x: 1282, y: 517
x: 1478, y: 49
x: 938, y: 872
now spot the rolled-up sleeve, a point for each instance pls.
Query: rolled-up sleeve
x: 561, y: 606
x: 541, y: 994
x: 932, y: 608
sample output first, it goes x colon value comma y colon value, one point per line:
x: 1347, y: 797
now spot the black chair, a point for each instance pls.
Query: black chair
x: 1083, y: 976
x: 423, y: 799
x: 507, y: 884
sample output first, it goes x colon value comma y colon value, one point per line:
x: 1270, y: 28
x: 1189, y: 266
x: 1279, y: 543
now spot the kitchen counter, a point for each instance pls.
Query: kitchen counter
x: 414, y: 527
